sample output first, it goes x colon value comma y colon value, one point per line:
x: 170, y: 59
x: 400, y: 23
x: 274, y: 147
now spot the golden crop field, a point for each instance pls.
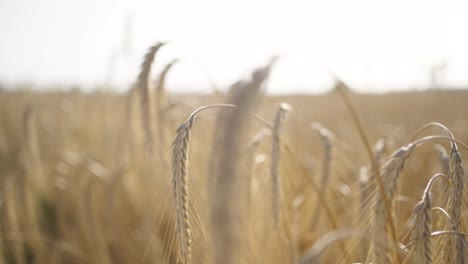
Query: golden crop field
x: 238, y: 177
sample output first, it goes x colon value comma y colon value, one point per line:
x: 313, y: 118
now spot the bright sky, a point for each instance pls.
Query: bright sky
x: 373, y: 45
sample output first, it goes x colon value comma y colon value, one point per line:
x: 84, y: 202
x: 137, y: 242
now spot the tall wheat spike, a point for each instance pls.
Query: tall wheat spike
x: 281, y: 115
x: 143, y: 84
x: 162, y: 103
x: 327, y: 142
x: 225, y: 215
x: 180, y: 190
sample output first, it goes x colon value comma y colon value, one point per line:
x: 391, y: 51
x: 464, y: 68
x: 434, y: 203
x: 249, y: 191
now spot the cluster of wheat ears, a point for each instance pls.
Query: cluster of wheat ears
x: 103, y: 178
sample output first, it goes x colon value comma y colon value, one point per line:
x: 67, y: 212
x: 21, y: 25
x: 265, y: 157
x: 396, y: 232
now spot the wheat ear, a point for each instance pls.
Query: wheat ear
x: 180, y: 150
x: 162, y: 103
x: 422, y: 225
x: 180, y: 190
x: 456, y: 245
x: 143, y: 84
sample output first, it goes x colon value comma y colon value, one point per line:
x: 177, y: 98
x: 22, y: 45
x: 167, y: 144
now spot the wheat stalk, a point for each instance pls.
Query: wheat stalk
x: 390, y: 174
x: 281, y: 115
x: 327, y: 141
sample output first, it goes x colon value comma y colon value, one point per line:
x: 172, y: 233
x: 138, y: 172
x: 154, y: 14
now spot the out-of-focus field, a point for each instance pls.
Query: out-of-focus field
x: 86, y: 178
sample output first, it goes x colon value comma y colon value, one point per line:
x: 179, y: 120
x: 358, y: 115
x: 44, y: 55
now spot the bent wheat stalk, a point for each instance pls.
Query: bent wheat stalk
x: 344, y: 91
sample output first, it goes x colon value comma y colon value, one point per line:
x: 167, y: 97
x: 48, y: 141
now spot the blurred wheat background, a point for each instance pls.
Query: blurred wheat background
x: 103, y: 177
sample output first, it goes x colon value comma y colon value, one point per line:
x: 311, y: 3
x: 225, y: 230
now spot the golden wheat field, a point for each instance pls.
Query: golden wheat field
x: 238, y: 177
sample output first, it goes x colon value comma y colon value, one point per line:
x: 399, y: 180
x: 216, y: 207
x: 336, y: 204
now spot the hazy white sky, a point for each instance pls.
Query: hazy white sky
x: 373, y: 45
